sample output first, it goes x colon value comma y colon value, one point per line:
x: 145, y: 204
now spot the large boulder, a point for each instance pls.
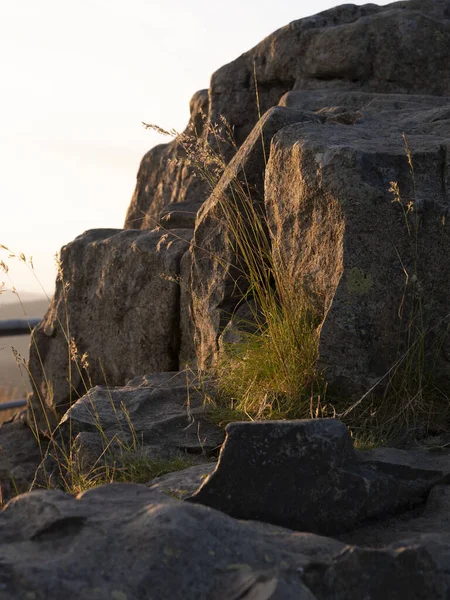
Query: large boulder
x: 370, y: 258
x: 114, y: 315
x: 361, y: 48
x: 306, y: 475
x: 350, y: 50
x: 348, y: 77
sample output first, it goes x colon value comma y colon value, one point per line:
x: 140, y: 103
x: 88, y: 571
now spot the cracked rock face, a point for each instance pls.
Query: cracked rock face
x: 217, y: 279
x: 118, y: 299
x: 364, y: 254
x: 163, y: 414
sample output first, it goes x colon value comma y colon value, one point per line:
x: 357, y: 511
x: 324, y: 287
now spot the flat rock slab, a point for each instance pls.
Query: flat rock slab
x: 184, y: 482
x: 163, y: 415
x: 124, y: 541
x: 305, y: 475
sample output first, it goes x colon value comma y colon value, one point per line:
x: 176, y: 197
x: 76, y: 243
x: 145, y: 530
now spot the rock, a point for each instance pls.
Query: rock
x: 145, y: 543
x: 20, y: 456
x: 184, y: 482
x: 425, y: 524
x: 361, y: 48
x: 350, y: 48
x: 328, y: 184
x: 159, y: 416
x: 179, y: 215
x: 102, y: 303
x: 427, y: 527
x: 217, y: 281
x: 347, y: 51
x: 377, y: 574
x: 165, y: 176
x: 340, y: 101
x: 305, y: 475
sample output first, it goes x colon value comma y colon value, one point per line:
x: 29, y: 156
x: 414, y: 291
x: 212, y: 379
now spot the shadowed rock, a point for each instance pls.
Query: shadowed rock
x: 378, y: 574
x: 118, y: 299
x: 306, y: 475
x: 132, y: 542
x: 20, y: 456
x: 160, y: 416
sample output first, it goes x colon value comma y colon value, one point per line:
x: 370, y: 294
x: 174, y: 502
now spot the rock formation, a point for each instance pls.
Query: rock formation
x: 345, y: 156
x: 354, y: 79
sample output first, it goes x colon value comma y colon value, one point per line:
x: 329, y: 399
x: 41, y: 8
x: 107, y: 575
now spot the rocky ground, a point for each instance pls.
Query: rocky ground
x: 289, y: 510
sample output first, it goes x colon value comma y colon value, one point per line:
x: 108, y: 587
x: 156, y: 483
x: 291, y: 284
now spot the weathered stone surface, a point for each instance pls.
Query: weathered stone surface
x: 160, y: 416
x: 217, y: 279
x: 306, y: 475
x: 126, y: 541
x: 363, y: 48
x: 328, y: 185
x: 147, y: 544
x: 119, y: 301
x: 182, y: 483
x: 427, y: 527
x: 339, y: 56
x: 347, y: 50
x: 378, y: 574
x: 166, y: 177
x: 428, y: 524
x: 336, y: 101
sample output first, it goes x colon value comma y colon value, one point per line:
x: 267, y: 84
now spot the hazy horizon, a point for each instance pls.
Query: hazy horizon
x: 77, y: 82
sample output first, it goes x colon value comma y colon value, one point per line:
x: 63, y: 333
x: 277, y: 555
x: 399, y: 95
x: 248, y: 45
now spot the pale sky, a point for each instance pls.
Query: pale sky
x: 77, y: 79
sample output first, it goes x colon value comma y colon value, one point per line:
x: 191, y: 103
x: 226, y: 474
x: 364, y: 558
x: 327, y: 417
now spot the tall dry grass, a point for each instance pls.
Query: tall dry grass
x: 271, y: 372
